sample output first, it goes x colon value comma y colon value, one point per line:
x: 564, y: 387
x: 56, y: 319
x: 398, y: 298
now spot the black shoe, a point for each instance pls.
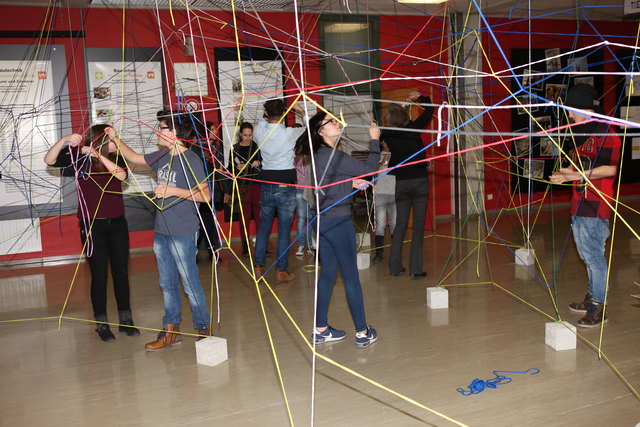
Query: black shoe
x: 379, y: 242
x: 419, y: 275
x: 399, y: 272
x: 129, y: 329
x: 581, y: 307
x: 126, y: 324
x: 105, y: 332
x: 594, y: 317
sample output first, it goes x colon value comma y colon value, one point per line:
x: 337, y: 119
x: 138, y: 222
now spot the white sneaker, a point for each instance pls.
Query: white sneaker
x: 300, y: 251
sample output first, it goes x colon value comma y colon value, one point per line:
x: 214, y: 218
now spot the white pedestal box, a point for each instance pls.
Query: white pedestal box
x: 525, y: 256
x: 363, y: 239
x: 560, y: 336
x: 364, y: 261
x: 437, y: 297
x: 211, y: 351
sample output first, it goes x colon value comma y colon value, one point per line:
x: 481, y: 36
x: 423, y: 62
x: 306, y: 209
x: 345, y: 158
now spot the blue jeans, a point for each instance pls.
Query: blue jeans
x: 176, y: 255
x: 304, y: 215
x: 590, y: 235
x: 275, y: 198
x: 338, y: 248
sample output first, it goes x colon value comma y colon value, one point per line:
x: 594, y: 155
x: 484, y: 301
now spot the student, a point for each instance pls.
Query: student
x: 412, y: 183
x: 212, y: 156
x: 384, y: 203
x: 596, y: 158
x: 245, y: 162
x: 182, y: 183
x: 277, y: 143
x: 337, y: 238
x: 303, y: 211
x: 103, y: 227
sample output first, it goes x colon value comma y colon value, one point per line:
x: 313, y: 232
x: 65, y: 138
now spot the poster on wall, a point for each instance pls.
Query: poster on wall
x: 27, y: 130
x: 262, y: 80
x: 129, y: 99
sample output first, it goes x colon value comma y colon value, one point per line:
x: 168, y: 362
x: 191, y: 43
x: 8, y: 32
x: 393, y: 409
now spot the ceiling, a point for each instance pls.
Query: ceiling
x: 608, y: 10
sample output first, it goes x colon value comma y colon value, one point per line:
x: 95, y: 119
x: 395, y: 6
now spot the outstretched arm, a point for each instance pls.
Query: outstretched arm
x: 129, y: 154
x: 52, y: 155
x: 426, y: 115
x: 570, y: 174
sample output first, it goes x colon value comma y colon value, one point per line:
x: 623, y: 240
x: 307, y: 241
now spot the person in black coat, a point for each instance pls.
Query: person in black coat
x: 412, y: 182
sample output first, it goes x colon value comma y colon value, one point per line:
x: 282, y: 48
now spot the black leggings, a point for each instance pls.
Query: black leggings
x: 110, y: 240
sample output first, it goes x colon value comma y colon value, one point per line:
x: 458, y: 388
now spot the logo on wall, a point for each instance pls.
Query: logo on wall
x: 99, y: 75
x: 42, y: 75
x: 151, y: 74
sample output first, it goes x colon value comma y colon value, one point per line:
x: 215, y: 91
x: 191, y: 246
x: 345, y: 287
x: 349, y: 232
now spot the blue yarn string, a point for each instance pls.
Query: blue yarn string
x: 478, y: 385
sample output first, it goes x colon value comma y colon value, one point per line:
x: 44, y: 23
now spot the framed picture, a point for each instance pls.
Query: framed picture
x: 577, y: 65
x: 547, y: 147
x: 533, y: 80
x: 631, y: 86
x: 533, y: 169
x: 554, y: 62
x: 525, y: 100
x: 585, y: 80
x: 541, y: 123
x: 523, y: 145
x: 554, y: 91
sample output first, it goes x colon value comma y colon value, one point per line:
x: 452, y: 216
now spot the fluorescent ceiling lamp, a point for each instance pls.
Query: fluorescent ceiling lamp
x: 345, y: 27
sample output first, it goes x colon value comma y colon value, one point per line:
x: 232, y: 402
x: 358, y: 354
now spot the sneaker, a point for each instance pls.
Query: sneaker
x: 594, y: 317
x: 311, y: 251
x: 581, y: 307
x: 300, y: 251
x: 364, y: 339
x: 328, y: 335
x: 283, y: 276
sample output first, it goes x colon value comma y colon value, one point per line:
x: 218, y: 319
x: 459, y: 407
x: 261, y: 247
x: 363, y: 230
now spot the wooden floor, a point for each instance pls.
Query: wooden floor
x: 496, y: 321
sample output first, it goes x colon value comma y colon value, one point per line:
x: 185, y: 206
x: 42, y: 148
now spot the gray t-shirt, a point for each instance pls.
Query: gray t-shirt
x: 177, y: 216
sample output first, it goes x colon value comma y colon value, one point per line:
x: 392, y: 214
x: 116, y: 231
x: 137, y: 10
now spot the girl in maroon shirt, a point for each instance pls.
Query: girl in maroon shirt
x: 103, y: 227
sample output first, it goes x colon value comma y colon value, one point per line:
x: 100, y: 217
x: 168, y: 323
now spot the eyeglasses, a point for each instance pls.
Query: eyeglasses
x: 332, y: 121
x: 164, y: 127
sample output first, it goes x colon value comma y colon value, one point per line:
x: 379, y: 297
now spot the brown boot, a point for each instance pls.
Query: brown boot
x: 259, y: 270
x: 283, y: 276
x: 166, y: 338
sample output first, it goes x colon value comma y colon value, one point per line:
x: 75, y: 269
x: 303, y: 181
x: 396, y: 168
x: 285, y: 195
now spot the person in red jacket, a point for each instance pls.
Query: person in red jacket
x: 592, y: 171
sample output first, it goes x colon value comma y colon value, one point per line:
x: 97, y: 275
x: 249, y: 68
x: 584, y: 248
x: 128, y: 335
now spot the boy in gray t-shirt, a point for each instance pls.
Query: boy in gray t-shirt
x: 182, y: 184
